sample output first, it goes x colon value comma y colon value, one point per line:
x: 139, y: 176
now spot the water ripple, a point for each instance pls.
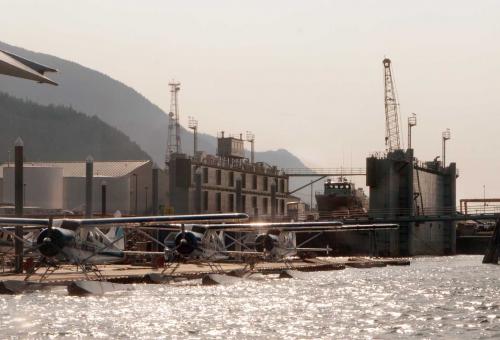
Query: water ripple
x: 451, y: 297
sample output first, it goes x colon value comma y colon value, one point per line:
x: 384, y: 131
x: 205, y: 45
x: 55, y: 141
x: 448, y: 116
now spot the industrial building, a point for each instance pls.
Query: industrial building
x: 400, y: 185
x: 61, y: 186
x: 227, y: 182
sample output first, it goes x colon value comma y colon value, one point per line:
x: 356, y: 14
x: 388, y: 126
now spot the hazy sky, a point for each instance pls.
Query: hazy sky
x: 301, y: 75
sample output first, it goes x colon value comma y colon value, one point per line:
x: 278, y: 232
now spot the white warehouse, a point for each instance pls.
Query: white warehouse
x: 61, y: 185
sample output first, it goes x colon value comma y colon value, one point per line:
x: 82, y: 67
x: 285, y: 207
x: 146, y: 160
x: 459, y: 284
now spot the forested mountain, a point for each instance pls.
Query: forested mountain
x: 94, y: 93
x: 120, y: 106
x: 60, y: 133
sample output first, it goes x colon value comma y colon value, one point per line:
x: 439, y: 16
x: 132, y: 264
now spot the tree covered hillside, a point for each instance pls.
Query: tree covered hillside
x: 60, y: 133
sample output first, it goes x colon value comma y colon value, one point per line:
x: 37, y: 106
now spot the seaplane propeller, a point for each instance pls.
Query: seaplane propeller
x: 186, y: 242
x: 266, y: 242
x: 52, y: 240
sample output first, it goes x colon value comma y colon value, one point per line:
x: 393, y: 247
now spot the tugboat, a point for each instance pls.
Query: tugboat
x: 341, y: 199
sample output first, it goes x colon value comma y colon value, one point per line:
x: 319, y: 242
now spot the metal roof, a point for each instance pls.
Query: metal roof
x: 16, y: 66
x: 77, y: 169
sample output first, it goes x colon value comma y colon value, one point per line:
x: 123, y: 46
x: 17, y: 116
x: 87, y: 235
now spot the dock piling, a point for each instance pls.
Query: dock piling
x: 89, y: 173
x: 18, y: 198
x: 493, y: 251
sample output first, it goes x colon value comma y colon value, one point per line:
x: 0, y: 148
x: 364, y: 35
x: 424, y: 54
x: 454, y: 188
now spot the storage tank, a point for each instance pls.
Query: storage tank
x: 43, y: 186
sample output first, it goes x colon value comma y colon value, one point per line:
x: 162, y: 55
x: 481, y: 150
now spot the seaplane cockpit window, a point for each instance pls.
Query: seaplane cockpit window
x: 198, y: 229
x: 170, y: 236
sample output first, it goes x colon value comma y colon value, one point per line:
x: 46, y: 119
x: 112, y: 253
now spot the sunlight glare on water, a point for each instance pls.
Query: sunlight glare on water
x: 452, y: 297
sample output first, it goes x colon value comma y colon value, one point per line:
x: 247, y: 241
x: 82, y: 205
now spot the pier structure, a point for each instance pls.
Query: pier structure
x: 401, y: 186
x: 226, y: 182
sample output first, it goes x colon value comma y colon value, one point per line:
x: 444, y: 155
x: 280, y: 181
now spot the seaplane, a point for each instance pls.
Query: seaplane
x: 249, y: 242
x: 83, y: 243
x: 273, y: 241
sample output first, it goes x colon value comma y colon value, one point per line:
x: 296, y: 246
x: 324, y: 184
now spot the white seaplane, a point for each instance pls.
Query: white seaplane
x: 81, y: 241
x: 250, y: 242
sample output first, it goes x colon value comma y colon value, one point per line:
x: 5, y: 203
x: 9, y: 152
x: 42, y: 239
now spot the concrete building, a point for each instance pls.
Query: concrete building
x: 402, y: 186
x: 61, y: 185
x: 226, y: 183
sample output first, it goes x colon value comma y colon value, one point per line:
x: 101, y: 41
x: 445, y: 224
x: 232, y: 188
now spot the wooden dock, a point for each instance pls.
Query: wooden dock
x: 122, y: 273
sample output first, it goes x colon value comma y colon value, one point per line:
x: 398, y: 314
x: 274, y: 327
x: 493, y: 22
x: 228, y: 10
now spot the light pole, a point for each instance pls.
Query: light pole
x: 412, y: 121
x: 103, y: 197
x: 251, y: 139
x: 484, y: 198
x: 446, y: 136
x: 193, y: 125
x: 146, y: 189
x: 135, y: 194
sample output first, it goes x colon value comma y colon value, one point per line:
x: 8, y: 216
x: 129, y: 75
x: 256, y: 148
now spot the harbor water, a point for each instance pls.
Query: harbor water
x: 450, y: 297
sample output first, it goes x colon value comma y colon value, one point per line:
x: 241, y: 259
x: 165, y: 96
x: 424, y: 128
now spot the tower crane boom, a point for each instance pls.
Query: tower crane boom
x: 392, y: 133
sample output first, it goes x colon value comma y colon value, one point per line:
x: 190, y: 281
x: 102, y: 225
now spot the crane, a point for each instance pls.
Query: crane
x: 392, y: 134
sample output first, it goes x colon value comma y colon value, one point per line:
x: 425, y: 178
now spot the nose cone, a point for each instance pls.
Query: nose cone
x: 264, y: 242
x: 186, y: 243
x: 51, y: 241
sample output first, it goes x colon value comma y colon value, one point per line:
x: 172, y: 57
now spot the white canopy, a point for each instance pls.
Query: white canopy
x: 16, y: 66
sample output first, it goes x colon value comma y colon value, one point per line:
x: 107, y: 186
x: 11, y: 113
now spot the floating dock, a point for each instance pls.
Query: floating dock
x: 119, y: 273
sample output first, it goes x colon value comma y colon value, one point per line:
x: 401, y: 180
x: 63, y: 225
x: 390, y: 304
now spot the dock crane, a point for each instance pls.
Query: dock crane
x: 392, y: 133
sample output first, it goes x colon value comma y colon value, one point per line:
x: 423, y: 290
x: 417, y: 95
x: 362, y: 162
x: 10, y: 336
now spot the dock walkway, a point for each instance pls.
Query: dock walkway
x: 134, y: 274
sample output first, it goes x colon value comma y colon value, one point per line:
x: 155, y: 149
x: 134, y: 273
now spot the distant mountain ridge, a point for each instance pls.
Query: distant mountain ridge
x: 118, y: 105
x: 95, y: 93
x: 52, y: 133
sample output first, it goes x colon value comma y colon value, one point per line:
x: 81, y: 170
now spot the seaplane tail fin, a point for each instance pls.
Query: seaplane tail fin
x: 115, y: 233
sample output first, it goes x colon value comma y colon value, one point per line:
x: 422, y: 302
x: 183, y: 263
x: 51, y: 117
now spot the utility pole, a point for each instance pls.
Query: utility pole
x: 251, y: 139
x: 193, y: 125
x: 446, y: 136
x: 412, y: 121
x: 174, y: 130
x: 392, y: 135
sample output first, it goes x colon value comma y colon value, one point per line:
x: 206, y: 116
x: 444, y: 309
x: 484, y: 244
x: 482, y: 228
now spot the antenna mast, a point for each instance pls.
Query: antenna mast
x: 174, y: 131
x: 392, y: 136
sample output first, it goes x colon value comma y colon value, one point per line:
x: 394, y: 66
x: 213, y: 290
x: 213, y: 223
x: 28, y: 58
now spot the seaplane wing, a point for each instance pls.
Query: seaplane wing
x: 124, y: 222
x: 339, y: 228
x: 298, y: 227
x: 152, y: 221
x: 16, y: 66
x: 28, y: 223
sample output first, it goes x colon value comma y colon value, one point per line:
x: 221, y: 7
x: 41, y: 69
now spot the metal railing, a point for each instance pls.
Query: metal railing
x: 425, y: 212
x: 241, y: 166
x: 341, y: 171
